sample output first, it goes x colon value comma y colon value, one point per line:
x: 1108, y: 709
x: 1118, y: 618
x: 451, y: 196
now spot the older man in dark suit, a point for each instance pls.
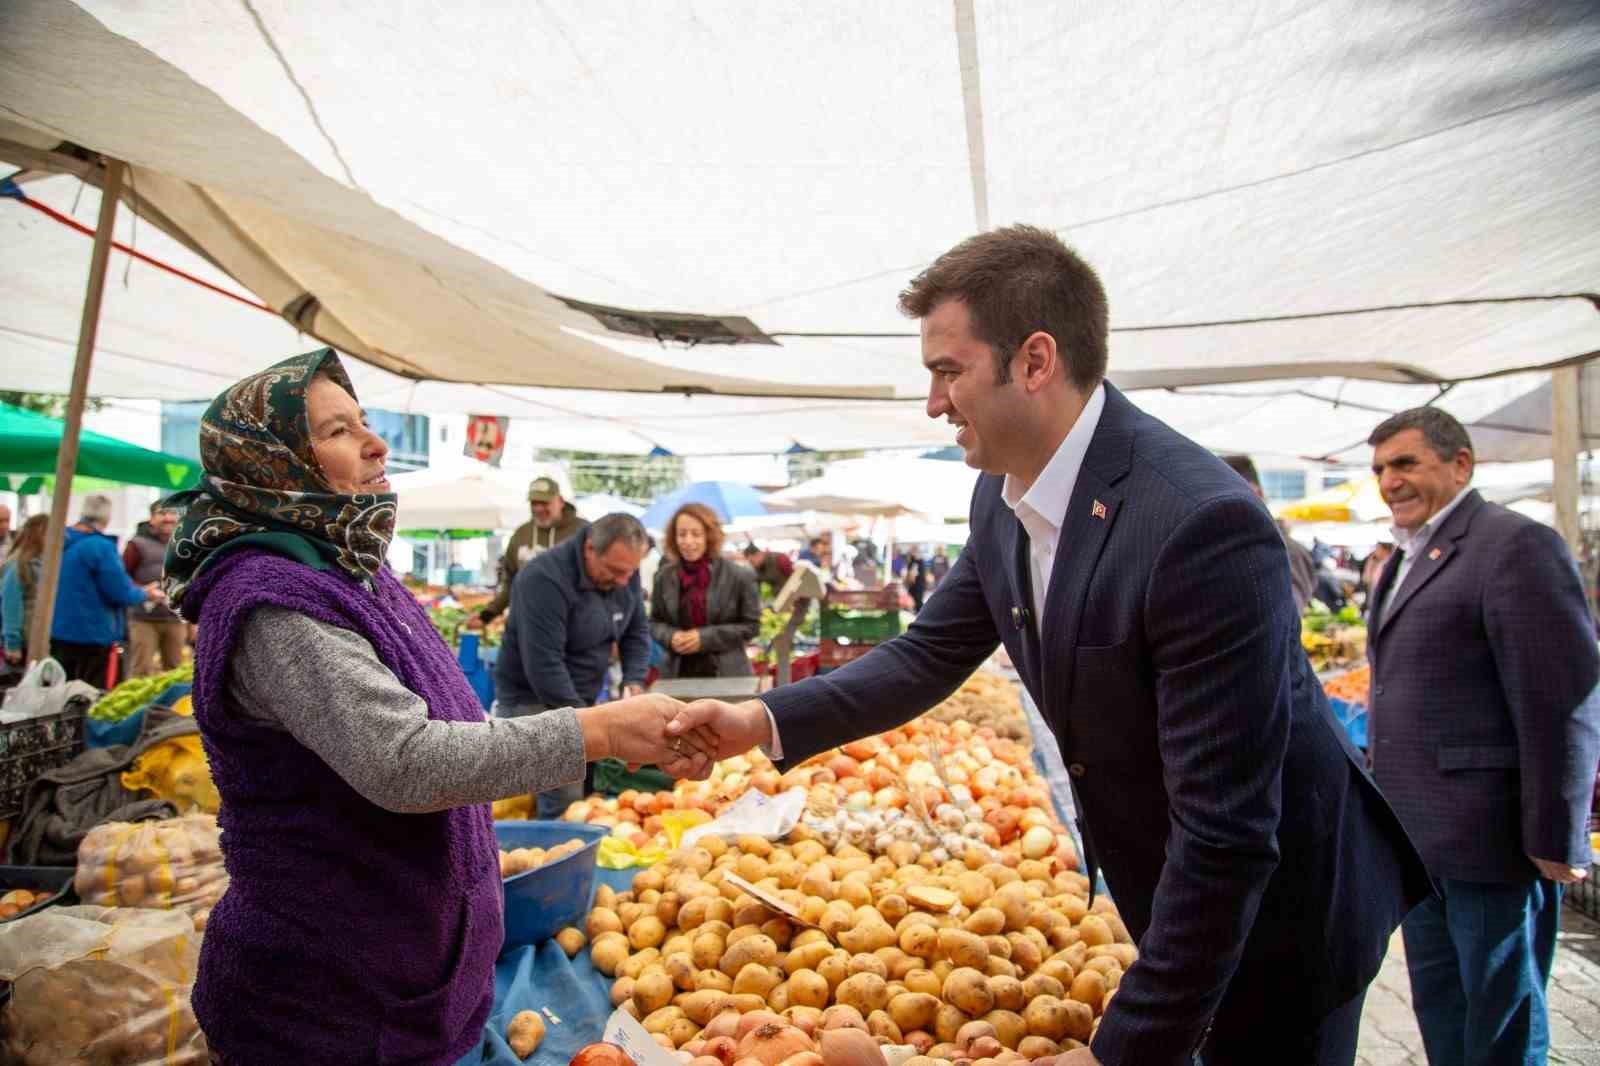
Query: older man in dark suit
x: 1484, y: 733
x: 1143, y: 593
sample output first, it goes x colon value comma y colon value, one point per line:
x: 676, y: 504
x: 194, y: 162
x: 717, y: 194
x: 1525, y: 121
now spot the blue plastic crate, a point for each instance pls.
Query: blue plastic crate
x: 541, y: 902
x: 478, y: 666
x: 1353, y: 716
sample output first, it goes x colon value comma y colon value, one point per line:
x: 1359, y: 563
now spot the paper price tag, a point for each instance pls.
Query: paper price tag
x: 766, y: 899
x: 755, y: 814
x: 623, y: 1031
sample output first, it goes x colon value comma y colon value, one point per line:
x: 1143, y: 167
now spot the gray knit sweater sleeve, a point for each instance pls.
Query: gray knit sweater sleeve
x: 327, y: 687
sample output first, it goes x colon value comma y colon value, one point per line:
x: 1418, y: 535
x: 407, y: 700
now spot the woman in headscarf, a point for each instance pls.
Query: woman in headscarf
x: 355, y: 764
x: 703, y: 608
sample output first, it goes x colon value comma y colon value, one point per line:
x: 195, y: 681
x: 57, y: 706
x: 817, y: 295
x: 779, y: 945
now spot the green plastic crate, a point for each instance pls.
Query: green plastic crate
x: 859, y: 625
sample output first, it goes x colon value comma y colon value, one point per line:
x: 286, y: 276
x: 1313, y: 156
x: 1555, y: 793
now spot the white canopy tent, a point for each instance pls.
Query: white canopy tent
x: 607, y: 197
x: 165, y: 337
x: 884, y: 488
x: 475, y: 497
x: 786, y: 175
x: 599, y: 504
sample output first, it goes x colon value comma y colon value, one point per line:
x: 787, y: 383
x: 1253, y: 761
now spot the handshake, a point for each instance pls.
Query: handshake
x: 683, y: 739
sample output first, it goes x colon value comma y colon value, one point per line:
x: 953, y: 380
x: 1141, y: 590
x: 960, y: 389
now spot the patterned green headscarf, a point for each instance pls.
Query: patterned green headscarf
x: 262, y: 486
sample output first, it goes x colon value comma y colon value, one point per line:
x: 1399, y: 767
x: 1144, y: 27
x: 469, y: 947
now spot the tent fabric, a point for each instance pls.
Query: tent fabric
x: 476, y: 497
x: 433, y: 213
x: 165, y: 338
x: 29, y: 444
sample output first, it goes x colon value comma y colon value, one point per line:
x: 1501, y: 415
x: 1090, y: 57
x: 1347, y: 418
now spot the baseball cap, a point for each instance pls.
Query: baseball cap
x: 543, y: 489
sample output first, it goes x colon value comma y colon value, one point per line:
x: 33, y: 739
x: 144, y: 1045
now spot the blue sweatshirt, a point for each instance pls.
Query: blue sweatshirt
x: 93, y: 592
x: 11, y: 607
x: 560, y: 629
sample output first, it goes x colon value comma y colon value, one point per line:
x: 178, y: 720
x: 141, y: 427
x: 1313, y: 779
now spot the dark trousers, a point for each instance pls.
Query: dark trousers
x: 1479, y: 955
x: 1269, y: 1036
x: 83, y: 662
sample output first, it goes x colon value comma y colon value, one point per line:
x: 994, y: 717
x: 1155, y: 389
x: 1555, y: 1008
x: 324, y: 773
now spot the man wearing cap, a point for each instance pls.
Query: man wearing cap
x: 554, y: 520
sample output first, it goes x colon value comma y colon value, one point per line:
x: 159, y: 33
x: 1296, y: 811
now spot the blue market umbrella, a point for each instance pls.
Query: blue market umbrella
x: 729, y: 499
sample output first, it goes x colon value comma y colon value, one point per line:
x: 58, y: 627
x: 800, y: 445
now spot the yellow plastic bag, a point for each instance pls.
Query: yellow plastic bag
x: 515, y: 808
x: 618, y: 854
x: 176, y: 770
x: 677, y: 823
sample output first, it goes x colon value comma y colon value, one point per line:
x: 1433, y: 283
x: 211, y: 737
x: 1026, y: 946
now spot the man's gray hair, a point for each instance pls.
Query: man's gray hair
x: 1444, y: 435
x: 612, y: 528
x: 97, y: 510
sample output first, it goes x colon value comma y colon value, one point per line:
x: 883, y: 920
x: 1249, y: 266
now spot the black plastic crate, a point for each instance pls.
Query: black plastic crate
x: 31, y: 747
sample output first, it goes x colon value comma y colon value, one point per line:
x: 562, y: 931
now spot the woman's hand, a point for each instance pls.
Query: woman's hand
x: 635, y: 731
x: 686, y: 641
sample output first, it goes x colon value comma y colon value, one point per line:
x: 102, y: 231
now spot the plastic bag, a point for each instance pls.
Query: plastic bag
x: 44, y: 689
x: 515, y: 808
x: 170, y: 865
x: 107, y: 986
x: 176, y: 771
x: 618, y: 854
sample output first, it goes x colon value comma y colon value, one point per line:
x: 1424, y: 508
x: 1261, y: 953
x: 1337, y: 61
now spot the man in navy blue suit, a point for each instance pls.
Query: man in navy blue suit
x: 1485, y: 732
x: 1142, y: 590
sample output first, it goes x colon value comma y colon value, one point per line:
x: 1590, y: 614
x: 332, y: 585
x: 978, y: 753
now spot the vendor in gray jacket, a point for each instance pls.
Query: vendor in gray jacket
x: 569, y: 607
x: 703, y: 608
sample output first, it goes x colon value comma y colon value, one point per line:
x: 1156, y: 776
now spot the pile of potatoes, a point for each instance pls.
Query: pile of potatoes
x: 173, y: 864
x: 987, y: 699
x: 912, y: 950
x: 521, y: 860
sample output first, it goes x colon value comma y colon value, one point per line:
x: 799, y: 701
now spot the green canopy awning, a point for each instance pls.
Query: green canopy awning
x: 29, y: 443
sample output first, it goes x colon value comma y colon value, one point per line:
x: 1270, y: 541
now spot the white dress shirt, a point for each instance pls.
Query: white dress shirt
x: 1042, y: 508
x: 1413, y: 545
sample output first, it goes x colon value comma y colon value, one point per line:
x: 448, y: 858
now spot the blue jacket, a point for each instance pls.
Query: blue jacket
x: 93, y: 592
x: 11, y: 610
x: 1254, y: 861
x: 560, y: 629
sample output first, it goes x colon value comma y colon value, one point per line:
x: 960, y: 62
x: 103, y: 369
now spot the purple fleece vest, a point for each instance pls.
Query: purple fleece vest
x: 348, y: 934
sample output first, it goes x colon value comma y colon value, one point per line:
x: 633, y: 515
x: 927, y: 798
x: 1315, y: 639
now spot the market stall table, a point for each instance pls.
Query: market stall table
x: 541, y: 976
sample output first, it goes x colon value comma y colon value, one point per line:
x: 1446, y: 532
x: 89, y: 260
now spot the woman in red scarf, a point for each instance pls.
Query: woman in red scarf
x: 704, y: 609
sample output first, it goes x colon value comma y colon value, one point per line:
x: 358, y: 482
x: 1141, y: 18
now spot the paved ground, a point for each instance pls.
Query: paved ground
x: 1389, y: 1034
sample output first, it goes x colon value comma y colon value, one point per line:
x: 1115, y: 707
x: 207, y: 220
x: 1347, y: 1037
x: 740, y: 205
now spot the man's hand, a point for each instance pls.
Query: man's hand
x: 686, y: 641
x: 13, y: 657
x: 473, y: 623
x: 635, y: 731
x: 1559, y: 872
x: 153, y: 593
x: 632, y: 689
x: 723, y: 730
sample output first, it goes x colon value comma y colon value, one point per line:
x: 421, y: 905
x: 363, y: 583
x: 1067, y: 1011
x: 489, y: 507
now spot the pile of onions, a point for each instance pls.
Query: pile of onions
x: 847, y: 1046
x: 777, y: 1043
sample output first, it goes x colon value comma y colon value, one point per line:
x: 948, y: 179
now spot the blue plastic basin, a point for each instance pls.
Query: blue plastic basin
x: 541, y: 902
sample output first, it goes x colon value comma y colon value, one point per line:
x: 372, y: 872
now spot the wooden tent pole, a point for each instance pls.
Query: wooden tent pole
x: 44, y: 607
x: 1564, y: 453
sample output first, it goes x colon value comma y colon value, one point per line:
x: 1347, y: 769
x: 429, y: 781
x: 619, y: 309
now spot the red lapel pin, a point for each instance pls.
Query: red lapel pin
x: 1434, y: 554
x: 1098, y: 510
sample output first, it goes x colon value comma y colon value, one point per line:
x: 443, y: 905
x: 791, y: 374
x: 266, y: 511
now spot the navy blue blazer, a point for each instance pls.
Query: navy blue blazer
x: 1250, y: 855
x: 1484, y: 720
